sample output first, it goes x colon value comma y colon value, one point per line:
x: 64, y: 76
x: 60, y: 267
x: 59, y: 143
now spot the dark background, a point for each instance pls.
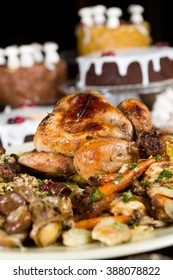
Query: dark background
x: 23, y: 22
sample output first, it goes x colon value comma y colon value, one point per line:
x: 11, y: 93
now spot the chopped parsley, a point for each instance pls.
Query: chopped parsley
x: 100, y: 176
x: 134, y: 165
x: 41, y: 182
x: 97, y: 195
x: 164, y: 174
x: 134, y: 223
x: 126, y: 196
x: 146, y: 183
x: 158, y: 157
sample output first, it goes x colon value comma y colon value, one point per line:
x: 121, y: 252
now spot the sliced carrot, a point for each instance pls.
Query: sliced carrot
x: 123, y: 180
x: 102, y: 179
x: 95, y: 208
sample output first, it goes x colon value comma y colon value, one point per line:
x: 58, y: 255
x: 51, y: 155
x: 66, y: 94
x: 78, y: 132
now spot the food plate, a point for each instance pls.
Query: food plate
x: 158, y: 239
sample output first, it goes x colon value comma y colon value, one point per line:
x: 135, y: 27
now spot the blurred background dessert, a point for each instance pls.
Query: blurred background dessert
x: 102, y: 29
x: 119, y: 56
x: 19, y: 125
x: 31, y: 74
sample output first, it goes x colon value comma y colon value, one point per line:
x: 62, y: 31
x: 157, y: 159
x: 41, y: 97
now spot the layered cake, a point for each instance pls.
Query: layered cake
x: 101, y: 29
x: 119, y: 54
x: 31, y: 74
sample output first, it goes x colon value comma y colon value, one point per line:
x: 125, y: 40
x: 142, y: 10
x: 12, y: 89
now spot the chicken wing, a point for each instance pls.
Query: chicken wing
x: 138, y: 113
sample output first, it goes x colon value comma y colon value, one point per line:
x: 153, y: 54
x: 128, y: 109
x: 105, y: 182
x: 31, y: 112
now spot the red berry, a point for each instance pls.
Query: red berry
x: 46, y: 186
x: 20, y: 119
x: 16, y: 120
x: 108, y: 53
x: 162, y: 44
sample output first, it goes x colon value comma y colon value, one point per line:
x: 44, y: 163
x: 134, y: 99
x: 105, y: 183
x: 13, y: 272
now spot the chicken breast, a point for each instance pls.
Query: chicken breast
x: 78, y: 118
x: 103, y: 156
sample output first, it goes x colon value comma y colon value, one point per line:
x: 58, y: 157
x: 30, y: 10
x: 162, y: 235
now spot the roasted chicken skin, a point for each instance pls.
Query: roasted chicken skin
x: 138, y: 113
x: 78, y: 118
x: 53, y: 165
x: 104, y: 156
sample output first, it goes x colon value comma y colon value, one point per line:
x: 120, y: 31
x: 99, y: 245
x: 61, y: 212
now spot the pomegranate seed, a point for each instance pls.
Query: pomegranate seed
x: 46, y: 186
x: 16, y: 120
x: 20, y: 119
x: 108, y: 53
x: 162, y: 44
x: 122, y: 21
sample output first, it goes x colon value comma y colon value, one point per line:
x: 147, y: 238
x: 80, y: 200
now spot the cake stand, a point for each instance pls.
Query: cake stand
x: 116, y: 94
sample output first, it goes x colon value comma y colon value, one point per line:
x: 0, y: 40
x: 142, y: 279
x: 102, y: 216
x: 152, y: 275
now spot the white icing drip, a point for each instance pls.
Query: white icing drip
x: 98, y: 67
x: 123, y: 59
x: 144, y: 69
x: 83, y: 69
x: 156, y: 64
x: 123, y: 66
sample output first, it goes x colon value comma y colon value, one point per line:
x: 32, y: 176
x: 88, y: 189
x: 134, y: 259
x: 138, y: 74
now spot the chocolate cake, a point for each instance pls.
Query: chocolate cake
x: 31, y: 75
x: 119, y: 55
x: 133, y: 66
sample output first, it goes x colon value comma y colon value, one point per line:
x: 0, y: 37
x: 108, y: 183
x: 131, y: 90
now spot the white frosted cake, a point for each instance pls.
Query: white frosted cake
x: 133, y: 66
x: 19, y: 125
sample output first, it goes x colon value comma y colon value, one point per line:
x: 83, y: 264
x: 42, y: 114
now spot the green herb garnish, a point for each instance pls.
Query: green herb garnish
x: 134, y: 165
x: 100, y: 176
x: 164, y: 174
x: 41, y: 182
x: 158, y: 157
x: 146, y: 183
x: 126, y: 196
x: 97, y: 195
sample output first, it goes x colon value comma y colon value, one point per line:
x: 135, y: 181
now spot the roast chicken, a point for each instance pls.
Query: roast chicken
x: 95, y: 135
